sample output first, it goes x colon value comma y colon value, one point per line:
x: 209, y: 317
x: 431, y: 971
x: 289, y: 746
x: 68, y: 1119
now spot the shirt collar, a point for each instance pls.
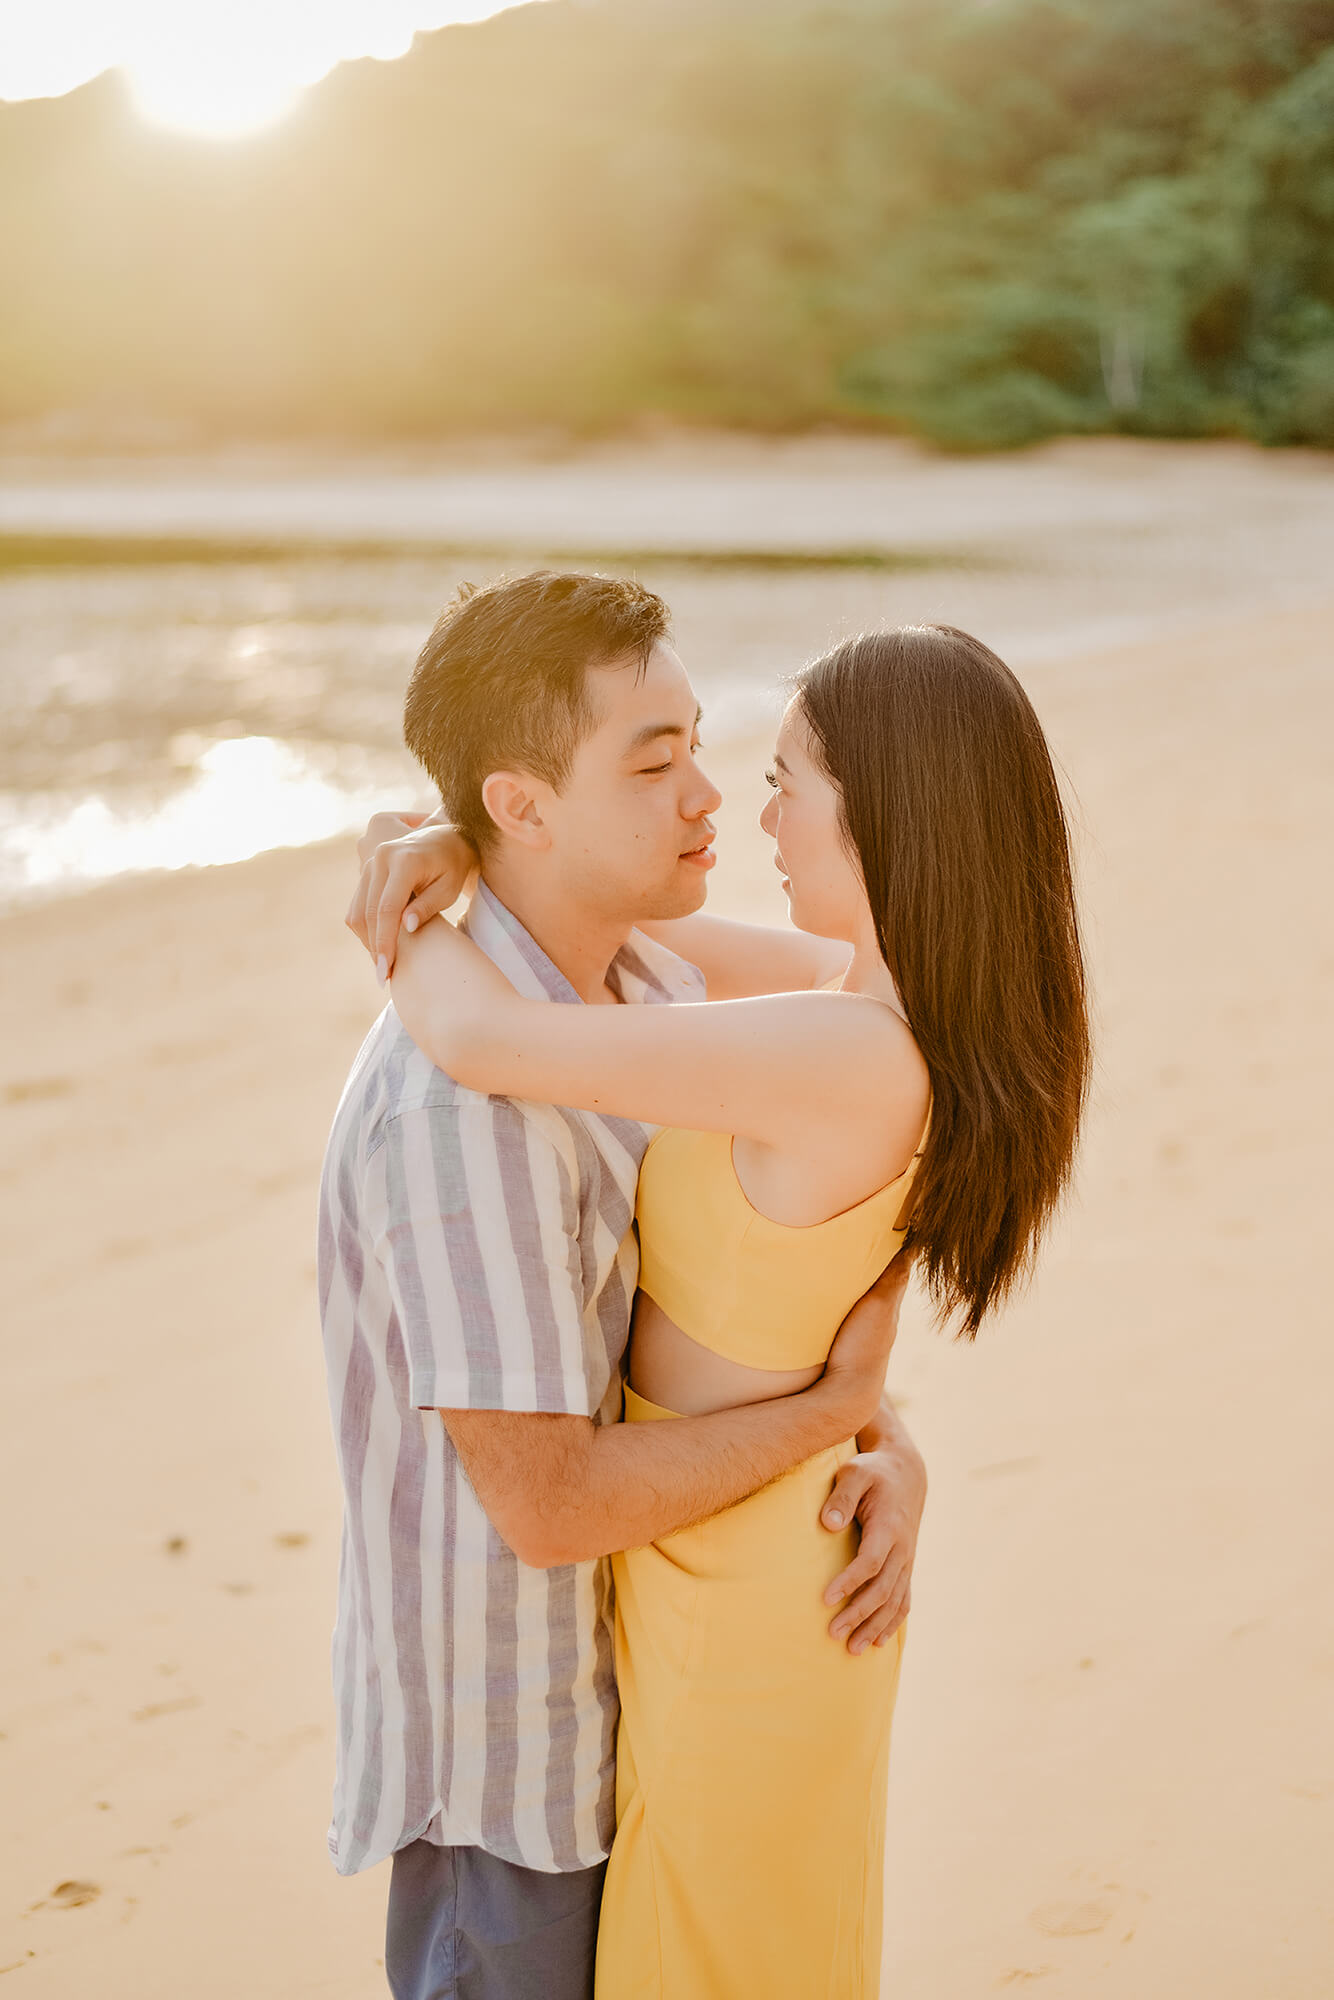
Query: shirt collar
x: 641, y: 971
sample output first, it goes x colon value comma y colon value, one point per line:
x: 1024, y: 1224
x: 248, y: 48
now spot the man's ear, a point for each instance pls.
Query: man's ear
x: 514, y: 801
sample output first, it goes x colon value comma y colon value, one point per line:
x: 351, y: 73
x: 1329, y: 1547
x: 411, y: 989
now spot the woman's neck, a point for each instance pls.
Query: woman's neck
x: 869, y: 974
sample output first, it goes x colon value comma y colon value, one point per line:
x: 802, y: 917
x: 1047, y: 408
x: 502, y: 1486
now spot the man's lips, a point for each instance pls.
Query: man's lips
x: 701, y: 855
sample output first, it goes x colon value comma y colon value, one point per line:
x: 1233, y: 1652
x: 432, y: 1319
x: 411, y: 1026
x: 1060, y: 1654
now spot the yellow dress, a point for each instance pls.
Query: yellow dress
x: 753, y: 1752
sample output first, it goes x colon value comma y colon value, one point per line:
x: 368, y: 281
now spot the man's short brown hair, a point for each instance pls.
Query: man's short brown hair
x: 500, y: 685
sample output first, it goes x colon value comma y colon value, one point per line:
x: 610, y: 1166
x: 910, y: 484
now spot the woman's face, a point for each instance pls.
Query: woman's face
x: 823, y: 883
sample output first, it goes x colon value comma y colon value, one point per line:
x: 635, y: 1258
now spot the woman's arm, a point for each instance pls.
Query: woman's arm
x: 771, y: 1069
x: 739, y: 960
x: 413, y: 868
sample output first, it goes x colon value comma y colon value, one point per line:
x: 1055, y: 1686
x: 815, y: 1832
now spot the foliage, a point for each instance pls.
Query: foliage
x: 988, y: 221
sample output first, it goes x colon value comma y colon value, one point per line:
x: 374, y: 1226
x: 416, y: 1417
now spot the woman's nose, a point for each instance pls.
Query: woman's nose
x: 769, y: 817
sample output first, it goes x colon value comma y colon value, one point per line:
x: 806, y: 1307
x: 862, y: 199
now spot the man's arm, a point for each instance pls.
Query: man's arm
x: 562, y: 1489
x: 443, y: 1181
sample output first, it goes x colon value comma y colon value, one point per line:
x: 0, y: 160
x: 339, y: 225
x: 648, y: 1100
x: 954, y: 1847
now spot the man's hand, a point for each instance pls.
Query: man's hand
x: 412, y: 868
x: 884, y: 1487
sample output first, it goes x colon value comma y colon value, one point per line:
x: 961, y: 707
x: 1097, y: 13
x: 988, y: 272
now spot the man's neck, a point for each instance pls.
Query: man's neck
x: 579, y: 942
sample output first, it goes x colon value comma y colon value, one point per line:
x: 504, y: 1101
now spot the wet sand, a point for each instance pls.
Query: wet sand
x: 1114, y: 1766
x: 169, y: 712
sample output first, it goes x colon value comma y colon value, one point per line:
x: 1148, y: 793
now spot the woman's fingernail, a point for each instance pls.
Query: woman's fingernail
x: 382, y: 968
x: 410, y: 921
x: 834, y: 1518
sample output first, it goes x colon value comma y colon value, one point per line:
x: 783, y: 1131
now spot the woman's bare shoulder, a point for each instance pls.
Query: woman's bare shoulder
x: 889, y: 1087
x: 859, y: 1132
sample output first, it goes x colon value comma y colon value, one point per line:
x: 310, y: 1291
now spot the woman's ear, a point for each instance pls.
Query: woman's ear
x: 512, y: 801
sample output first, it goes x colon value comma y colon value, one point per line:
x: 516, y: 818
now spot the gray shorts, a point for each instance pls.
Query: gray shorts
x: 464, y: 1925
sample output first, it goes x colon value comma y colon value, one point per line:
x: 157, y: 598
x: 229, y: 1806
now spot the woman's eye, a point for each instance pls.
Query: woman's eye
x: 771, y: 779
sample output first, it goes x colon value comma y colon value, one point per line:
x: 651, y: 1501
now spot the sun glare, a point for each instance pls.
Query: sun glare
x: 218, y: 68
x: 222, y: 102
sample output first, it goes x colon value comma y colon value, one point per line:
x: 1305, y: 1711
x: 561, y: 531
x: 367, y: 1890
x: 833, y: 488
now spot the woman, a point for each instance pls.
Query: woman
x: 936, y: 1095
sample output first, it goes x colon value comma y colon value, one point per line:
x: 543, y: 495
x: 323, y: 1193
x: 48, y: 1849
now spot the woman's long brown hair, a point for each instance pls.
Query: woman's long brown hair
x: 951, y: 804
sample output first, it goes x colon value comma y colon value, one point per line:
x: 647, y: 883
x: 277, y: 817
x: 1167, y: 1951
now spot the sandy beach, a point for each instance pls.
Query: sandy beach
x: 1114, y: 1754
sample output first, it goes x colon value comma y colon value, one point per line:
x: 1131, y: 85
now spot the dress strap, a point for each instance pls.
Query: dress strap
x: 903, y: 1220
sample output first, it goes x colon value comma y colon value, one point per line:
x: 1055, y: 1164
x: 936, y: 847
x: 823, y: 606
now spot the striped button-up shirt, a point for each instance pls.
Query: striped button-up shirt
x: 475, y: 1253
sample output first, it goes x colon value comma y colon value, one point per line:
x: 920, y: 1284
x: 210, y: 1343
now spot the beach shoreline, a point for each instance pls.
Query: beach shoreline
x: 238, y: 684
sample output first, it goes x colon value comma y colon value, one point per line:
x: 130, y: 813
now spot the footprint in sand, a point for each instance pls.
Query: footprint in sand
x: 33, y: 1089
x: 156, y: 1708
x: 1071, y: 1919
x: 73, y: 1895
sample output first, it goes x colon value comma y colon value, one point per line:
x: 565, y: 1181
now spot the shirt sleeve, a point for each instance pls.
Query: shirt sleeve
x: 480, y: 1248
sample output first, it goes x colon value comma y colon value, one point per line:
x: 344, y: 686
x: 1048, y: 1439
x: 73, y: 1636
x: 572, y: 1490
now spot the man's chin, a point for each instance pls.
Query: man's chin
x: 677, y: 898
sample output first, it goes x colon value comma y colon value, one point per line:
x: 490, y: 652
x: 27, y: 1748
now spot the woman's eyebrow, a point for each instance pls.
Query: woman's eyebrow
x: 779, y: 765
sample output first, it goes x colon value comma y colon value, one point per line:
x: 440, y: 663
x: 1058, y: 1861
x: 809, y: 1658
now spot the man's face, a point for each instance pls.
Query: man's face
x: 630, y: 829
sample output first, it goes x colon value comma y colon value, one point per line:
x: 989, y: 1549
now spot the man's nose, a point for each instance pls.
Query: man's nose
x: 705, y: 798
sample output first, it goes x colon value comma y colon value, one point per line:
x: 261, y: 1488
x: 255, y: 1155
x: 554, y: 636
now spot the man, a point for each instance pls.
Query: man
x: 477, y: 1269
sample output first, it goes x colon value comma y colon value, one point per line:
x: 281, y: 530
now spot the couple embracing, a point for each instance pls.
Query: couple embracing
x: 609, y: 1287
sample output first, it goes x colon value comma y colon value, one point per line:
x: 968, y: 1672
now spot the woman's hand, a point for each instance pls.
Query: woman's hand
x: 386, y: 826
x: 412, y: 868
